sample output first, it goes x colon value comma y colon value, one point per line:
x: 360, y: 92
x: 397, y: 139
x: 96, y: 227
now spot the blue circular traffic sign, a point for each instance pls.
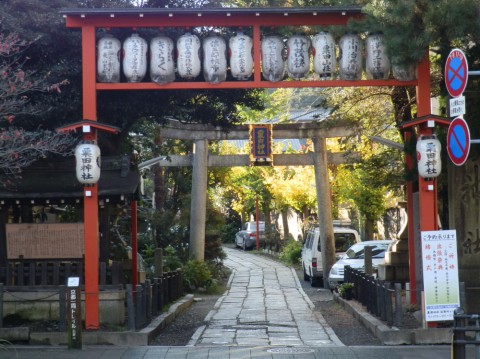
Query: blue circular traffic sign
x: 458, y: 141
x: 456, y: 73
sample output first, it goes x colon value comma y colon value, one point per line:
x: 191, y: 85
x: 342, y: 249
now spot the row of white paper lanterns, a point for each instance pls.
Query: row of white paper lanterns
x: 191, y: 53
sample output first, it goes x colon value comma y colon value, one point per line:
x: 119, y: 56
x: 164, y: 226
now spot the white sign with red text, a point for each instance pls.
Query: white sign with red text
x: 440, y: 274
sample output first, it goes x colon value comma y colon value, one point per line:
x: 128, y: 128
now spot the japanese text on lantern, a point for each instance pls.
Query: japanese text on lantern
x: 87, y: 159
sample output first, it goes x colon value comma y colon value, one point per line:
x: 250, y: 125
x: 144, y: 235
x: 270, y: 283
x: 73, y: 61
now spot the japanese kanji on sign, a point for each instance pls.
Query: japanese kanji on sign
x: 440, y: 274
x: 261, y: 145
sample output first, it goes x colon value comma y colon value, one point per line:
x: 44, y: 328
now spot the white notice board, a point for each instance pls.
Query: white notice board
x: 440, y: 274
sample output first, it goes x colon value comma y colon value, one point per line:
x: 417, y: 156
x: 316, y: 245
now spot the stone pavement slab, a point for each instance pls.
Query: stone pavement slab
x: 233, y: 352
x: 263, y: 294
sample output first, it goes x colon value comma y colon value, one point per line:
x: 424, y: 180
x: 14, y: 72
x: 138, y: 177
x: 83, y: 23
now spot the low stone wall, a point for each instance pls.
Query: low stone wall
x: 101, y: 337
x: 393, y: 335
x: 44, y: 305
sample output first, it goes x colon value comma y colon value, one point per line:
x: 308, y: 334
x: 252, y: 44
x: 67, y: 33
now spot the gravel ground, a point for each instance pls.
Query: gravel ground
x: 349, y: 330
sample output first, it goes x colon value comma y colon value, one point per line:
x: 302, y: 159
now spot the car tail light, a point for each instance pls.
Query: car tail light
x: 252, y: 234
x: 314, y: 262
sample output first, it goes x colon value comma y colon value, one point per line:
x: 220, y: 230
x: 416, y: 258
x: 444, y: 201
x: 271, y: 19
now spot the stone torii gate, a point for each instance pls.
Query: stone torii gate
x: 201, y: 160
x: 258, y: 20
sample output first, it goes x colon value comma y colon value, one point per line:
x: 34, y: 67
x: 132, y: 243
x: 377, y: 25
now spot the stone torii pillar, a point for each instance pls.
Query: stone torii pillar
x: 198, y: 207
x: 324, y: 213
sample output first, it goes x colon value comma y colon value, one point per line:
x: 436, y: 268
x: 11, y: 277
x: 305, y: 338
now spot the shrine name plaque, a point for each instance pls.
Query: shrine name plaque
x: 44, y: 241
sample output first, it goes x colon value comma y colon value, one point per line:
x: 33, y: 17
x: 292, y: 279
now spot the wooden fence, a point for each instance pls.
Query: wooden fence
x: 46, y: 273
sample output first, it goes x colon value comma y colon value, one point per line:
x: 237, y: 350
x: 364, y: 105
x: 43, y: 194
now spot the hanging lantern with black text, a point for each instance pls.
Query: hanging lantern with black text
x: 188, y: 56
x: 261, y: 145
x: 298, y: 56
x: 87, y: 157
x: 108, y: 59
x: 351, y: 60
x: 214, y: 59
x: 162, y: 63
x: 241, y: 56
x: 428, y: 157
x: 273, y: 63
x: 135, y: 58
x: 324, y: 55
x: 377, y: 63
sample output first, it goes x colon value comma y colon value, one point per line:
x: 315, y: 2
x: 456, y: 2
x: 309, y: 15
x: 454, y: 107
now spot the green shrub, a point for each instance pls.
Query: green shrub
x: 171, y: 260
x: 228, y: 231
x: 292, y: 252
x: 213, y: 247
x: 196, y: 274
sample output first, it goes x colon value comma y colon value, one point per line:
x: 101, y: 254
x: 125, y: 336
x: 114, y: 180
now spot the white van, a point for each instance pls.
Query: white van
x: 311, y: 251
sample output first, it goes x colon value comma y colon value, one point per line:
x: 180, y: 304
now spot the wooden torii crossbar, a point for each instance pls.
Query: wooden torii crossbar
x: 259, y: 20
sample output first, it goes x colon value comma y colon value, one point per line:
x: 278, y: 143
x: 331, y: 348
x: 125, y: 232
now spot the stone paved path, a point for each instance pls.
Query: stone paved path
x: 265, y: 305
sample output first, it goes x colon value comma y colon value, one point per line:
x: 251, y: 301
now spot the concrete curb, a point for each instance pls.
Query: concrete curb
x: 393, y: 335
x: 126, y: 338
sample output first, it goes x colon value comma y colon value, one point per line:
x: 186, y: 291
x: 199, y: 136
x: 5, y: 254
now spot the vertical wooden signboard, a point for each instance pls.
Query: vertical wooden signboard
x: 74, y: 313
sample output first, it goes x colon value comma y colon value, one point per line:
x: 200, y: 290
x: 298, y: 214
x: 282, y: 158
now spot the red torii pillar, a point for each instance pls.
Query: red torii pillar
x: 90, y: 236
x: 427, y: 190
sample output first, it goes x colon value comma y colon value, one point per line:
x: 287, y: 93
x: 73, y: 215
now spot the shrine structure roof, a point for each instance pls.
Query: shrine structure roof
x: 54, y: 181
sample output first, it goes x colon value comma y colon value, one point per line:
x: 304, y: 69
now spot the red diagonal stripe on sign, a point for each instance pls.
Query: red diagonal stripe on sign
x: 456, y: 72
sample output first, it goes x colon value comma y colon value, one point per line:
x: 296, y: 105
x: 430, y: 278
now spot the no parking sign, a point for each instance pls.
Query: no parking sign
x: 458, y: 141
x: 456, y: 72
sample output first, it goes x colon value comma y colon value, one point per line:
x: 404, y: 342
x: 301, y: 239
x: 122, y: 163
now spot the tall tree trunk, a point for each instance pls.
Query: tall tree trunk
x: 369, y: 229
x: 286, y: 230
x: 159, y: 180
x: 158, y: 185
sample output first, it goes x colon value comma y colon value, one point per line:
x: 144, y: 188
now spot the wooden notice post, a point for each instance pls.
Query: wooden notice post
x: 74, y: 313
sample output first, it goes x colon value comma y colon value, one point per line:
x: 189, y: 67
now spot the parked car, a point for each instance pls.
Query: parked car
x: 312, y: 253
x: 355, y: 258
x: 246, y: 238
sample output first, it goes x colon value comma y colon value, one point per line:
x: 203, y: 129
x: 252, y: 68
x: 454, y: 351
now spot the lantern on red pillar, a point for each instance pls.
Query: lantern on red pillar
x: 428, y: 156
x: 87, y: 157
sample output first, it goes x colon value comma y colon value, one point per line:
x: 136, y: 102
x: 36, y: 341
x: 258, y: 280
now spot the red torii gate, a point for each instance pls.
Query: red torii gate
x: 89, y: 20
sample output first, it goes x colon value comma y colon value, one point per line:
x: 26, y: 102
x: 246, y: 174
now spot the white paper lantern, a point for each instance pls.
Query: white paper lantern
x: 351, y: 61
x: 188, y: 56
x: 241, y: 56
x: 377, y: 63
x: 87, y: 158
x: 108, y: 59
x: 214, y: 59
x: 298, y: 56
x: 324, y: 56
x: 135, y: 58
x: 273, y: 63
x: 162, y: 64
x: 428, y: 156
